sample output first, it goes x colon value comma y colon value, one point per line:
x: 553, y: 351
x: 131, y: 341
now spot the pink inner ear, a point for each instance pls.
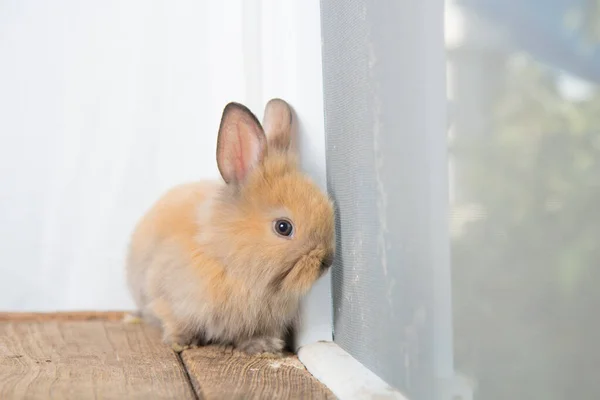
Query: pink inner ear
x: 240, y: 146
x: 242, y: 162
x: 248, y: 149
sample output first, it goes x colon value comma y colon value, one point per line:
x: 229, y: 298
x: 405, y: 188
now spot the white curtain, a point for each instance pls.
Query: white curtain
x: 105, y: 104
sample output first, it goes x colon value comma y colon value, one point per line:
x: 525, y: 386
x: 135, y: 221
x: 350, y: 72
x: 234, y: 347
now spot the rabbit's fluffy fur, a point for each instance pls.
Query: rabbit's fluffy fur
x: 206, y: 262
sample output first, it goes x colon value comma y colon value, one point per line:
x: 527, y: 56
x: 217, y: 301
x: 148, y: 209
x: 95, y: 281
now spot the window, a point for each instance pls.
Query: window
x: 525, y: 150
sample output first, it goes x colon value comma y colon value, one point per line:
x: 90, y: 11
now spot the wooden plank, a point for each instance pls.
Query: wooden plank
x: 219, y: 373
x: 63, y: 316
x: 88, y: 358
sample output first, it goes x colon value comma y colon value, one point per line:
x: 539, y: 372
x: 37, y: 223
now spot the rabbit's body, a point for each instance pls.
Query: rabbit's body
x: 209, y: 261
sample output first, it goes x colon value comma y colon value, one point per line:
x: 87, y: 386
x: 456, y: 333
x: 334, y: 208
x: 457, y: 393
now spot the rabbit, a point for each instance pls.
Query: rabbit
x: 228, y: 262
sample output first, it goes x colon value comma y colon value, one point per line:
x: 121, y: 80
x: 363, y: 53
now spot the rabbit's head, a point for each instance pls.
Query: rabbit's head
x: 270, y: 226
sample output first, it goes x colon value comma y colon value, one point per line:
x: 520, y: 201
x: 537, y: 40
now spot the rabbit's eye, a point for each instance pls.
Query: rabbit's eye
x: 283, y: 227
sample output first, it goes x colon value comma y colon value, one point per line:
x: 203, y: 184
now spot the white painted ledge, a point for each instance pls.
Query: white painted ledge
x: 345, y: 376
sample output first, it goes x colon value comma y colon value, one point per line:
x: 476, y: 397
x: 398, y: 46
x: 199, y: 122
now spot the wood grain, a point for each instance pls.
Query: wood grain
x: 219, y: 373
x: 86, y: 356
x: 63, y: 316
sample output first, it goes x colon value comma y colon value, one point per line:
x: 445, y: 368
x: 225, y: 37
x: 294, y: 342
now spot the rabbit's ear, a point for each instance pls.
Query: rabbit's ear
x: 279, y: 125
x: 241, y: 144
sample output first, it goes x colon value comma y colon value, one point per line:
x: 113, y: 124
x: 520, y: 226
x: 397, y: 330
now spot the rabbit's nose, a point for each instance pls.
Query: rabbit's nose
x: 326, y: 262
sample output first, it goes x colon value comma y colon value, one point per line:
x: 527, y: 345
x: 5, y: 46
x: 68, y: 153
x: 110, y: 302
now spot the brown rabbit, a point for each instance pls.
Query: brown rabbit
x: 229, y: 263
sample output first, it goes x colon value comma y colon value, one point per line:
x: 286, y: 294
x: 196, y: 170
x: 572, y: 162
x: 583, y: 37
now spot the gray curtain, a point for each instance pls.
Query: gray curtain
x: 384, y: 91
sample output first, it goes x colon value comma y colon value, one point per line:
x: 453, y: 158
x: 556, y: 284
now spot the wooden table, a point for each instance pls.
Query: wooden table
x: 96, y: 355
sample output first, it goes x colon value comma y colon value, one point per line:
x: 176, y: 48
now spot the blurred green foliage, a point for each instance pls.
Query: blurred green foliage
x: 526, y: 261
